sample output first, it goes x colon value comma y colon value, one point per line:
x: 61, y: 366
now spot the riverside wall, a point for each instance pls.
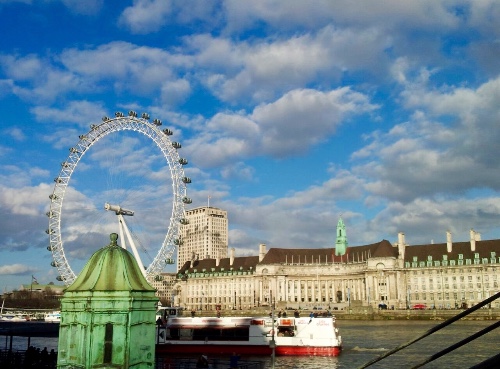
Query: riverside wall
x: 368, y: 313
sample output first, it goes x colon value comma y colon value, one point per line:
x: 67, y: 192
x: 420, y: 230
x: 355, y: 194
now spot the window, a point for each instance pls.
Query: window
x: 460, y: 256
x: 108, y: 344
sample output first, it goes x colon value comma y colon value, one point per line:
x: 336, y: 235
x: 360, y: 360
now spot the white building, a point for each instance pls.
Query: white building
x: 164, y: 286
x: 444, y: 275
x: 204, y: 235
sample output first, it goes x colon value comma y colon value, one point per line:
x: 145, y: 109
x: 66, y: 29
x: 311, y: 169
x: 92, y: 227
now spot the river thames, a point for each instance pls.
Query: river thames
x: 366, y: 340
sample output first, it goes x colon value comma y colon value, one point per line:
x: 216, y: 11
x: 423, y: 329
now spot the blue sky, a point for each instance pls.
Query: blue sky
x: 291, y: 113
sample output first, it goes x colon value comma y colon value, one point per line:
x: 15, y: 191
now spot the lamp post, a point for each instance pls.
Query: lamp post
x: 272, y: 344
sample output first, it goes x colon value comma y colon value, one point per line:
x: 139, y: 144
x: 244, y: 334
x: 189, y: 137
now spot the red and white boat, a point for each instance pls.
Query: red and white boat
x: 317, y: 336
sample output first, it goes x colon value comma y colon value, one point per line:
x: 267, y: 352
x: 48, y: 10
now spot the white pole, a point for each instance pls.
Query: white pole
x: 120, y: 226
x: 132, y: 244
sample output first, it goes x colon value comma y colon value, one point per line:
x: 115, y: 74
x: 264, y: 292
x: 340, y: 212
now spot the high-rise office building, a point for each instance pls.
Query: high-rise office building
x: 205, y: 236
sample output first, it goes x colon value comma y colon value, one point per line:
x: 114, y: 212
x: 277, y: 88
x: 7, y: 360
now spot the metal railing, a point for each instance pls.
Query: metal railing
x: 215, y: 363
x: 484, y: 365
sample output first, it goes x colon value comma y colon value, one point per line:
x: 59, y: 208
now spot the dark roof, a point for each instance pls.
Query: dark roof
x: 381, y: 249
x: 483, y: 248
x: 240, y: 263
x: 111, y: 268
x: 311, y: 256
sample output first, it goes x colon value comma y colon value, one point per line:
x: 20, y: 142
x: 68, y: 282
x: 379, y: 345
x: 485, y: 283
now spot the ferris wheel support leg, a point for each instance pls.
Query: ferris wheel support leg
x: 132, y: 244
x: 121, y: 225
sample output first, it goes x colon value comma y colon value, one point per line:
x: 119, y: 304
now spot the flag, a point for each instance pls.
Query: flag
x: 33, y: 280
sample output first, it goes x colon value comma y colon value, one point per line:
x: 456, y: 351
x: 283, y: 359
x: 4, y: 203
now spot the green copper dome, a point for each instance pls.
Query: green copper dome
x: 111, y: 268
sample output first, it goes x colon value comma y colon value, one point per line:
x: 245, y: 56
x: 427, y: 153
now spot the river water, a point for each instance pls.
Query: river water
x: 366, y: 340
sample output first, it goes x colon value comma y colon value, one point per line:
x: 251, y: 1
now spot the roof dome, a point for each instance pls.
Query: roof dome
x: 111, y: 268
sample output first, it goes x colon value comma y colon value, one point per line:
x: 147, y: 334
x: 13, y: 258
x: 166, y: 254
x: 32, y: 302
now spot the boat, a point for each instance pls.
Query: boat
x: 14, y: 317
x: 53, y: 317
x: 298, y: 336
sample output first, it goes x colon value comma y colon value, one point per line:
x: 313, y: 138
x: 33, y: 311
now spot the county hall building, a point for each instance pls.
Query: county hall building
x: 393, y: 275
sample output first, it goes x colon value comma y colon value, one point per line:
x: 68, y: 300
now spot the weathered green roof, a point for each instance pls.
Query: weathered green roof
x: 111, y: 268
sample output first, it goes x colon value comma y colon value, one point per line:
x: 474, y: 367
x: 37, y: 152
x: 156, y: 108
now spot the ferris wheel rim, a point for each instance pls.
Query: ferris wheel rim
x: 179, y: 181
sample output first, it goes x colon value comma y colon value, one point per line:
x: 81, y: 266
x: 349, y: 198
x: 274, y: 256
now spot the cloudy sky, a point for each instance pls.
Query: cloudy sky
x: 291, y: 114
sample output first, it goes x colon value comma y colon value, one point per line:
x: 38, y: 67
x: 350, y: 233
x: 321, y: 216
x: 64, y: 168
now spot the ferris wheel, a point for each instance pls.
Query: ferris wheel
x: 168, y: 148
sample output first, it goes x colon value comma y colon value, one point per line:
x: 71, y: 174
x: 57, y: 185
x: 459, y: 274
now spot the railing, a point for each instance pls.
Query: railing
x: 20, y: 360
x: 483, y: 365
x: 190, y: 363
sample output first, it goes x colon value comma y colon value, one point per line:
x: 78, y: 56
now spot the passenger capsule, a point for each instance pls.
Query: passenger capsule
x: 183, y: 161
x: 105, y: 119
x: 186, y: 180
x: 145, y: 116
x: 157, y: 122
x: 176, y: 145
x: 132, y: 113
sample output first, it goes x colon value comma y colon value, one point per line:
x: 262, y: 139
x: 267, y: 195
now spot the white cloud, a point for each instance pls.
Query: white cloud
x: 16, y: 269
x: 263, y: 71
x: 146, y: 16
x: 16, y: 133
x: 81, y: 112
x: 428, y: 14
x: 288, y: 126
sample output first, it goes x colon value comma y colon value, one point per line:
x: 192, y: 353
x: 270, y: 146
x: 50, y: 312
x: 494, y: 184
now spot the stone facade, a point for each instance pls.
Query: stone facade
x: 203, y: 235
x: 399, y: 276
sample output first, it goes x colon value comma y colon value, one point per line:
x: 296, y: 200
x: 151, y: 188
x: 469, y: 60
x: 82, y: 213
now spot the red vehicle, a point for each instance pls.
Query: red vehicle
x: 419, y: 307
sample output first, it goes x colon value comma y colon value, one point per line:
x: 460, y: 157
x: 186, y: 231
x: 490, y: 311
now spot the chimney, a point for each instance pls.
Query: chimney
x: 472, y: 240
x: 217, y: 261
x: 231, y: 257
x: 448, y: 241
x: 262, y: 251
x: 401, y: 244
